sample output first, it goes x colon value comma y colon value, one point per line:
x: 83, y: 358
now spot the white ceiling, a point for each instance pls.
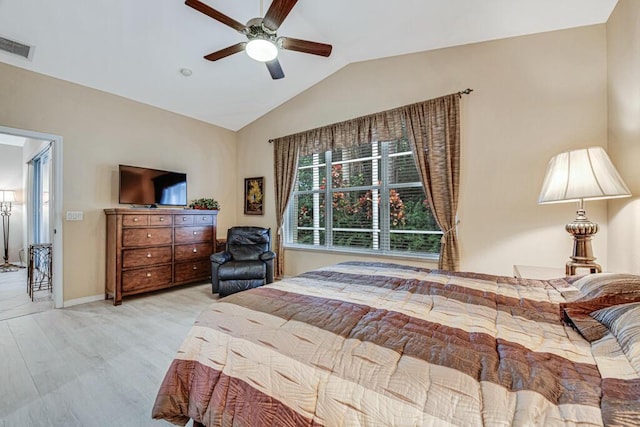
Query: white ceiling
x: 135, y: 48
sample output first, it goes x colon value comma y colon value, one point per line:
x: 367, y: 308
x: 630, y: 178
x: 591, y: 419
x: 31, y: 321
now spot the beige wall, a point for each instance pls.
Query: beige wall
x: 11, y: 179
x: 623, y: 58
x: 533, y: 97
x: 100, y: 131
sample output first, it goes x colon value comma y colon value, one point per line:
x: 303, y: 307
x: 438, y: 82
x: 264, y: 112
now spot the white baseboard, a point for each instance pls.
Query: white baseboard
x: 84, y: 300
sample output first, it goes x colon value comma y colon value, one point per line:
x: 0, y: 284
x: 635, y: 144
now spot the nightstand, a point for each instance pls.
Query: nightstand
x: 536, y: 272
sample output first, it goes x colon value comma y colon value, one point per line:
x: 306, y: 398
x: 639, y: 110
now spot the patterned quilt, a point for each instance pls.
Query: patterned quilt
x: 372, y: 344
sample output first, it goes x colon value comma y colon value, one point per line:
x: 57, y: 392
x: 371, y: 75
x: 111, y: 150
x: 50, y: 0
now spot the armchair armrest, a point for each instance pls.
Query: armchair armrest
x: 267, y: 256
x: 220, y: 257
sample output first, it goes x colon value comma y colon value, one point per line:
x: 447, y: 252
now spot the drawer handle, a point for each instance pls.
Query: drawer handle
x: 195, y: 232
x: 204, y: 218
x: 148, y: 255
x: 195, y: 267
x: 135, y: 219
x: 148, y: 274
x: 184, y: 218
x: 148, y: 235
x: 195, y: 250
x: 161, y: 219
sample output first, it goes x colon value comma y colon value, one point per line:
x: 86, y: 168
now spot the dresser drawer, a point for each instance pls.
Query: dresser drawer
x: 146, y: 236
x: 192, y: 251
x: 193, y: 234
x: 203, y: 219
x: 184, y: 219
x: 160, y: 220
x: 146, y: 256
x: 135, y: 220
x: 187, y: 271
x: 152, y: 277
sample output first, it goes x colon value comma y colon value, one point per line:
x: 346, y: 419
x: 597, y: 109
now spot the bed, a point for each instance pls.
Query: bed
x: 377, y: 344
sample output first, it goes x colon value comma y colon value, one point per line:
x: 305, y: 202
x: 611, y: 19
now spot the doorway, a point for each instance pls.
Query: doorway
x: 42, y: 197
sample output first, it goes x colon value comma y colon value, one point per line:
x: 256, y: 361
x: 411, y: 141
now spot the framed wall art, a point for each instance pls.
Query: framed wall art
x: 254, y: 196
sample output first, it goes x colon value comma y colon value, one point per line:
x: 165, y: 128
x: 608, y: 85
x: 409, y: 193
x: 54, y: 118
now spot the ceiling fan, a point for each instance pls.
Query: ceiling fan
x: 263, y: 42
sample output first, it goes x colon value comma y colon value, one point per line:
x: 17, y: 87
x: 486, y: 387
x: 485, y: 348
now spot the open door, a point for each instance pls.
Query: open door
x: 43, y: 191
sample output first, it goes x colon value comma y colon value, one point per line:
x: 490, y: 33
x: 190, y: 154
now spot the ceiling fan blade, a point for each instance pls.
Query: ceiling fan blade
x: 275, y: 69
x: 212, y: 13
x: 305, y: 46
x: 227, y: 51
x: 277, y: 13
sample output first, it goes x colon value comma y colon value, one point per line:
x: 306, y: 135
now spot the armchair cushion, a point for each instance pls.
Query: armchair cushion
x: 220, y: 257
x: 247, y: 243
x: 242, y: 270
x: 232, y: 286
x: 267, y: 256
x: 245, y: 252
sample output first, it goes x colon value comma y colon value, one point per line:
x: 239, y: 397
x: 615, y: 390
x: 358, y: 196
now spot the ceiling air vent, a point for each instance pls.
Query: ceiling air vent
x: 15, y: 47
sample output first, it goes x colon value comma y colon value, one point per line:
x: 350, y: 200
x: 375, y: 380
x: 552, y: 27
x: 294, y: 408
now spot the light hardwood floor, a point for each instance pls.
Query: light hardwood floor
x: 93, y: 364
x: 14, y: 300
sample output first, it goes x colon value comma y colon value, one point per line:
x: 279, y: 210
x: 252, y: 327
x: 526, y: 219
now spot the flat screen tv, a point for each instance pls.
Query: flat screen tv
x: 151, y: 187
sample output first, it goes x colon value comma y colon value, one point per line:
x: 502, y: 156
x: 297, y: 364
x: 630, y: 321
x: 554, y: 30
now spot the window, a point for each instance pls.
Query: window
x: 377, y: 202
x: 40, y: 189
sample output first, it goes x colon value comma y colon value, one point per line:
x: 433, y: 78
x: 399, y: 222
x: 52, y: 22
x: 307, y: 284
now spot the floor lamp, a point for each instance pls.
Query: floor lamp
x: 576, y: 176
x: 7, y: 197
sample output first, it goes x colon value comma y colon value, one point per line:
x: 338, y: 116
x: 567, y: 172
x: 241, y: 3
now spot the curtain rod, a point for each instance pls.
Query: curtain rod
x: 467, y: 91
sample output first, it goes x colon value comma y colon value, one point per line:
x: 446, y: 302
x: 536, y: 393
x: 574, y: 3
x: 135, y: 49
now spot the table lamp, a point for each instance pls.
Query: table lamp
x: 576, y: 176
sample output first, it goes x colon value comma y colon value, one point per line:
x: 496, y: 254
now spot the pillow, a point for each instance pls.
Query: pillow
x: 624, y: 323
x: 615, y: 286
x: 594, y: 292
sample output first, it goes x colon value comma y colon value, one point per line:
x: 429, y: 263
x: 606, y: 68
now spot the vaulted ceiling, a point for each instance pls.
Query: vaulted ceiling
x: 136, y: 48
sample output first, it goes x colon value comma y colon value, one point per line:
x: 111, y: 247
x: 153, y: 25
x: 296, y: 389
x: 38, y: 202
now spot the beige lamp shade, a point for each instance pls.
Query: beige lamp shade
x: 585, y: 174
x: 7, y: 196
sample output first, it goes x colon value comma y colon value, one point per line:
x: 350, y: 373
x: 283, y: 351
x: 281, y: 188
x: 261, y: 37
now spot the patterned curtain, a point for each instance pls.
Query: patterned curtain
x: 285, y: 160
x: 433, y: 128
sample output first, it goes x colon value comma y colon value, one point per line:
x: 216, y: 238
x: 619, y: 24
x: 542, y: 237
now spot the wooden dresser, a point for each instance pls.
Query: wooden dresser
x: 151, y: 249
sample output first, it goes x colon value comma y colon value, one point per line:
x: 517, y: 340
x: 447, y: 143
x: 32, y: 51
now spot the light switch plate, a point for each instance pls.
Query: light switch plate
x: 75, y: 215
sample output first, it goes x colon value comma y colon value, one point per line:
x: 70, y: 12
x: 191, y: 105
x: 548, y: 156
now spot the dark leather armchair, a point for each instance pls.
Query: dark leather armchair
x: 247, y: 263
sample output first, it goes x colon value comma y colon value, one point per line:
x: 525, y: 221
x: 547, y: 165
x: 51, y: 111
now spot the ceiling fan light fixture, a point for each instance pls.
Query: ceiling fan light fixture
x: 261, y: 50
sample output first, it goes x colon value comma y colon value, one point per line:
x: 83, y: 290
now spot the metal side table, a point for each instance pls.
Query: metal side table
x: 40, y: 268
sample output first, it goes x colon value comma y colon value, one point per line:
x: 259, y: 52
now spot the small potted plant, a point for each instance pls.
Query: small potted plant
x: 205, y: 204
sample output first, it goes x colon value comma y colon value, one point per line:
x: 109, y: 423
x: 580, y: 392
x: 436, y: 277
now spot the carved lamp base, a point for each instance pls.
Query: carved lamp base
x: 582, y: 229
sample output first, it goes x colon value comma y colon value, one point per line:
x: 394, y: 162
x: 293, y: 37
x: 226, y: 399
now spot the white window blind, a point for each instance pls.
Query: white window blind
x: 370, y: 199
